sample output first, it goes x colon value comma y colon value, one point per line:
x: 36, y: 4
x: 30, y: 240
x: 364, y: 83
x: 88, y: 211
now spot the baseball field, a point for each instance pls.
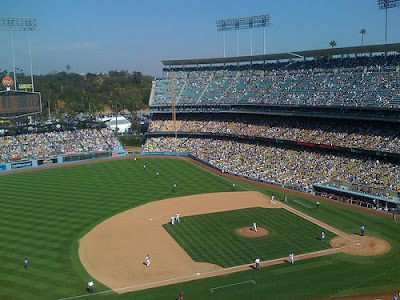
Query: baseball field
x: 99, y: 220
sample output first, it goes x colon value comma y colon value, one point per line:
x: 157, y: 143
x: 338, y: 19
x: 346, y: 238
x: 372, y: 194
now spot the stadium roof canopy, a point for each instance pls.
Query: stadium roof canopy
x: 329, y: 52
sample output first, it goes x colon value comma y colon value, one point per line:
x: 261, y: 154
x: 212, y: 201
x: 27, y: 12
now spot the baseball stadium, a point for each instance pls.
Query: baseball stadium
x: 290, y: 159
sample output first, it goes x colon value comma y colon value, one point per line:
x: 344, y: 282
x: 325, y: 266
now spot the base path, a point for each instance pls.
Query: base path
x: 114, y: 251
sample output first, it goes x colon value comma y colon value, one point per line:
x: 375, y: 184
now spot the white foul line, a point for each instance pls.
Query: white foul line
x: 298, y: 202
x: 233, y: 284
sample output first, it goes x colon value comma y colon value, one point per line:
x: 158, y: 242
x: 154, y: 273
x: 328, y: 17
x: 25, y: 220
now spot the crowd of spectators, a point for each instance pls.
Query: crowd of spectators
x: 350, y: 134
x: 295, y: 168
x: 358, y: 82
x: 38, y: 145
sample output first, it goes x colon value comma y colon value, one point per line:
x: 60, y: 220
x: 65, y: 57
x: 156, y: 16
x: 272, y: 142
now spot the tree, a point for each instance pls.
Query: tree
x: 68, y: 68
x: 134, y: 105
x: 333, y: 43
x: 363, y: 32
x: 84, y: 96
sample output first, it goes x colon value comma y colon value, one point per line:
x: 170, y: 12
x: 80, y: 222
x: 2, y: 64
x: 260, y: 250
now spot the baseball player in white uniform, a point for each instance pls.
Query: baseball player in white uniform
x: 255, y: 226
x: 147, y: 260
x: 173, y: 220
x: 257, y: 262
x: 291, y: 258
x: 272, y: 198
x: 322, y: 235
x: 177, y: 217
x: 90, y: 286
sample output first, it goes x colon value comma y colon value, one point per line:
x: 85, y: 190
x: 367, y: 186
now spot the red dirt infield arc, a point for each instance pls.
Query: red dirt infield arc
x: 114, y: 251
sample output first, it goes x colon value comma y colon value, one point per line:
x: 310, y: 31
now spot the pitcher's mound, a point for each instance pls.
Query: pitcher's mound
x: 249, y: 232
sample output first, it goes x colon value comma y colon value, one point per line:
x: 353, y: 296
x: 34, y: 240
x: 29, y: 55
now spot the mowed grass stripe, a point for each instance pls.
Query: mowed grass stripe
x: 200, y: 236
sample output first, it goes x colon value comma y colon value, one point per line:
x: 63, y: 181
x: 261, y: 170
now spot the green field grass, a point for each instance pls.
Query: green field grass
x: 200, y: 236
x: 43, y: 214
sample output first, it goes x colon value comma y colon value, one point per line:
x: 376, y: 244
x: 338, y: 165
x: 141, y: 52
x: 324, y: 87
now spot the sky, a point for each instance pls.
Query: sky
x: 135, y: 35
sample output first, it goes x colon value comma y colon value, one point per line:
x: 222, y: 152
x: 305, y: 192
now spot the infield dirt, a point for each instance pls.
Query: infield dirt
x: 114, y: 251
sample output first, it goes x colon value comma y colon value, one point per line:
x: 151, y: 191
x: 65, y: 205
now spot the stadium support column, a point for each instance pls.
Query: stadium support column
x: 237, y: 43
x: 251, y: 42
x: 30, y: 59
x: 171, y: 78
x: 386, y: 26
x: 13, y: 58
x: 223, y: 37
x: 264, y: 41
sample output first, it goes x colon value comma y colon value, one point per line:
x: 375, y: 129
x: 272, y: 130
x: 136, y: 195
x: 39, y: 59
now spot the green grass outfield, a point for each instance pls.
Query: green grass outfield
x: 43, y: 214
x: 200, y: 236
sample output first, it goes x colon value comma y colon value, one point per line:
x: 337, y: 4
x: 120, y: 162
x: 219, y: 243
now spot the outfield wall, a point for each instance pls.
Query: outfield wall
x: 59, y: 160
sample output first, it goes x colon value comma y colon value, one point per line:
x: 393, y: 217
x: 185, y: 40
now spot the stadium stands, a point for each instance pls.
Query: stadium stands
x: 38, y: 145
x: 376, y: 136
x: 295, y: 168
x: 349, y: 82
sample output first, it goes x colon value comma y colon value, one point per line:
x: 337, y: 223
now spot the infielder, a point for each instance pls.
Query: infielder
x: 291, y: 258
x: 147, y: 260
x: 177, y: 217
x: 255, y: 226
x: 257, y: 262
x: 173, y: 220
x: 90, y: 286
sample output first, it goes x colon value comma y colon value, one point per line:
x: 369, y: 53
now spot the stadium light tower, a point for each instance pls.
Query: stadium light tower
x: 237, y: 24
x: 386, y: 4
x: 12, y: 24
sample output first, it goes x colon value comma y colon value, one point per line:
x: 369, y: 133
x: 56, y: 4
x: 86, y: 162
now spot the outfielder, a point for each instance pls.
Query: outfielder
x: 322, y: 235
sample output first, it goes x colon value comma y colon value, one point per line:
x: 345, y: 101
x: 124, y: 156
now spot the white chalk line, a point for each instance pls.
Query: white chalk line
x: 229, y: 285
x: 298, y: 202
x: 179, y: 279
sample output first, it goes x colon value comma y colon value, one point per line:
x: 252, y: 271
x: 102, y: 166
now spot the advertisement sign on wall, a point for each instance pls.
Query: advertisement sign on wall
x: 21, y: 165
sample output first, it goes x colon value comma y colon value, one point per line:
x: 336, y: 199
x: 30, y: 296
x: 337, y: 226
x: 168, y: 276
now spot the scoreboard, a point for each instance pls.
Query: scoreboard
x: 19, y: 103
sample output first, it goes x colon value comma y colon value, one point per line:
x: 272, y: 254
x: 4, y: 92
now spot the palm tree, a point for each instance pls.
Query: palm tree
x: 363, y: 32
x: 68, y: 68
x: 333, y: 43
